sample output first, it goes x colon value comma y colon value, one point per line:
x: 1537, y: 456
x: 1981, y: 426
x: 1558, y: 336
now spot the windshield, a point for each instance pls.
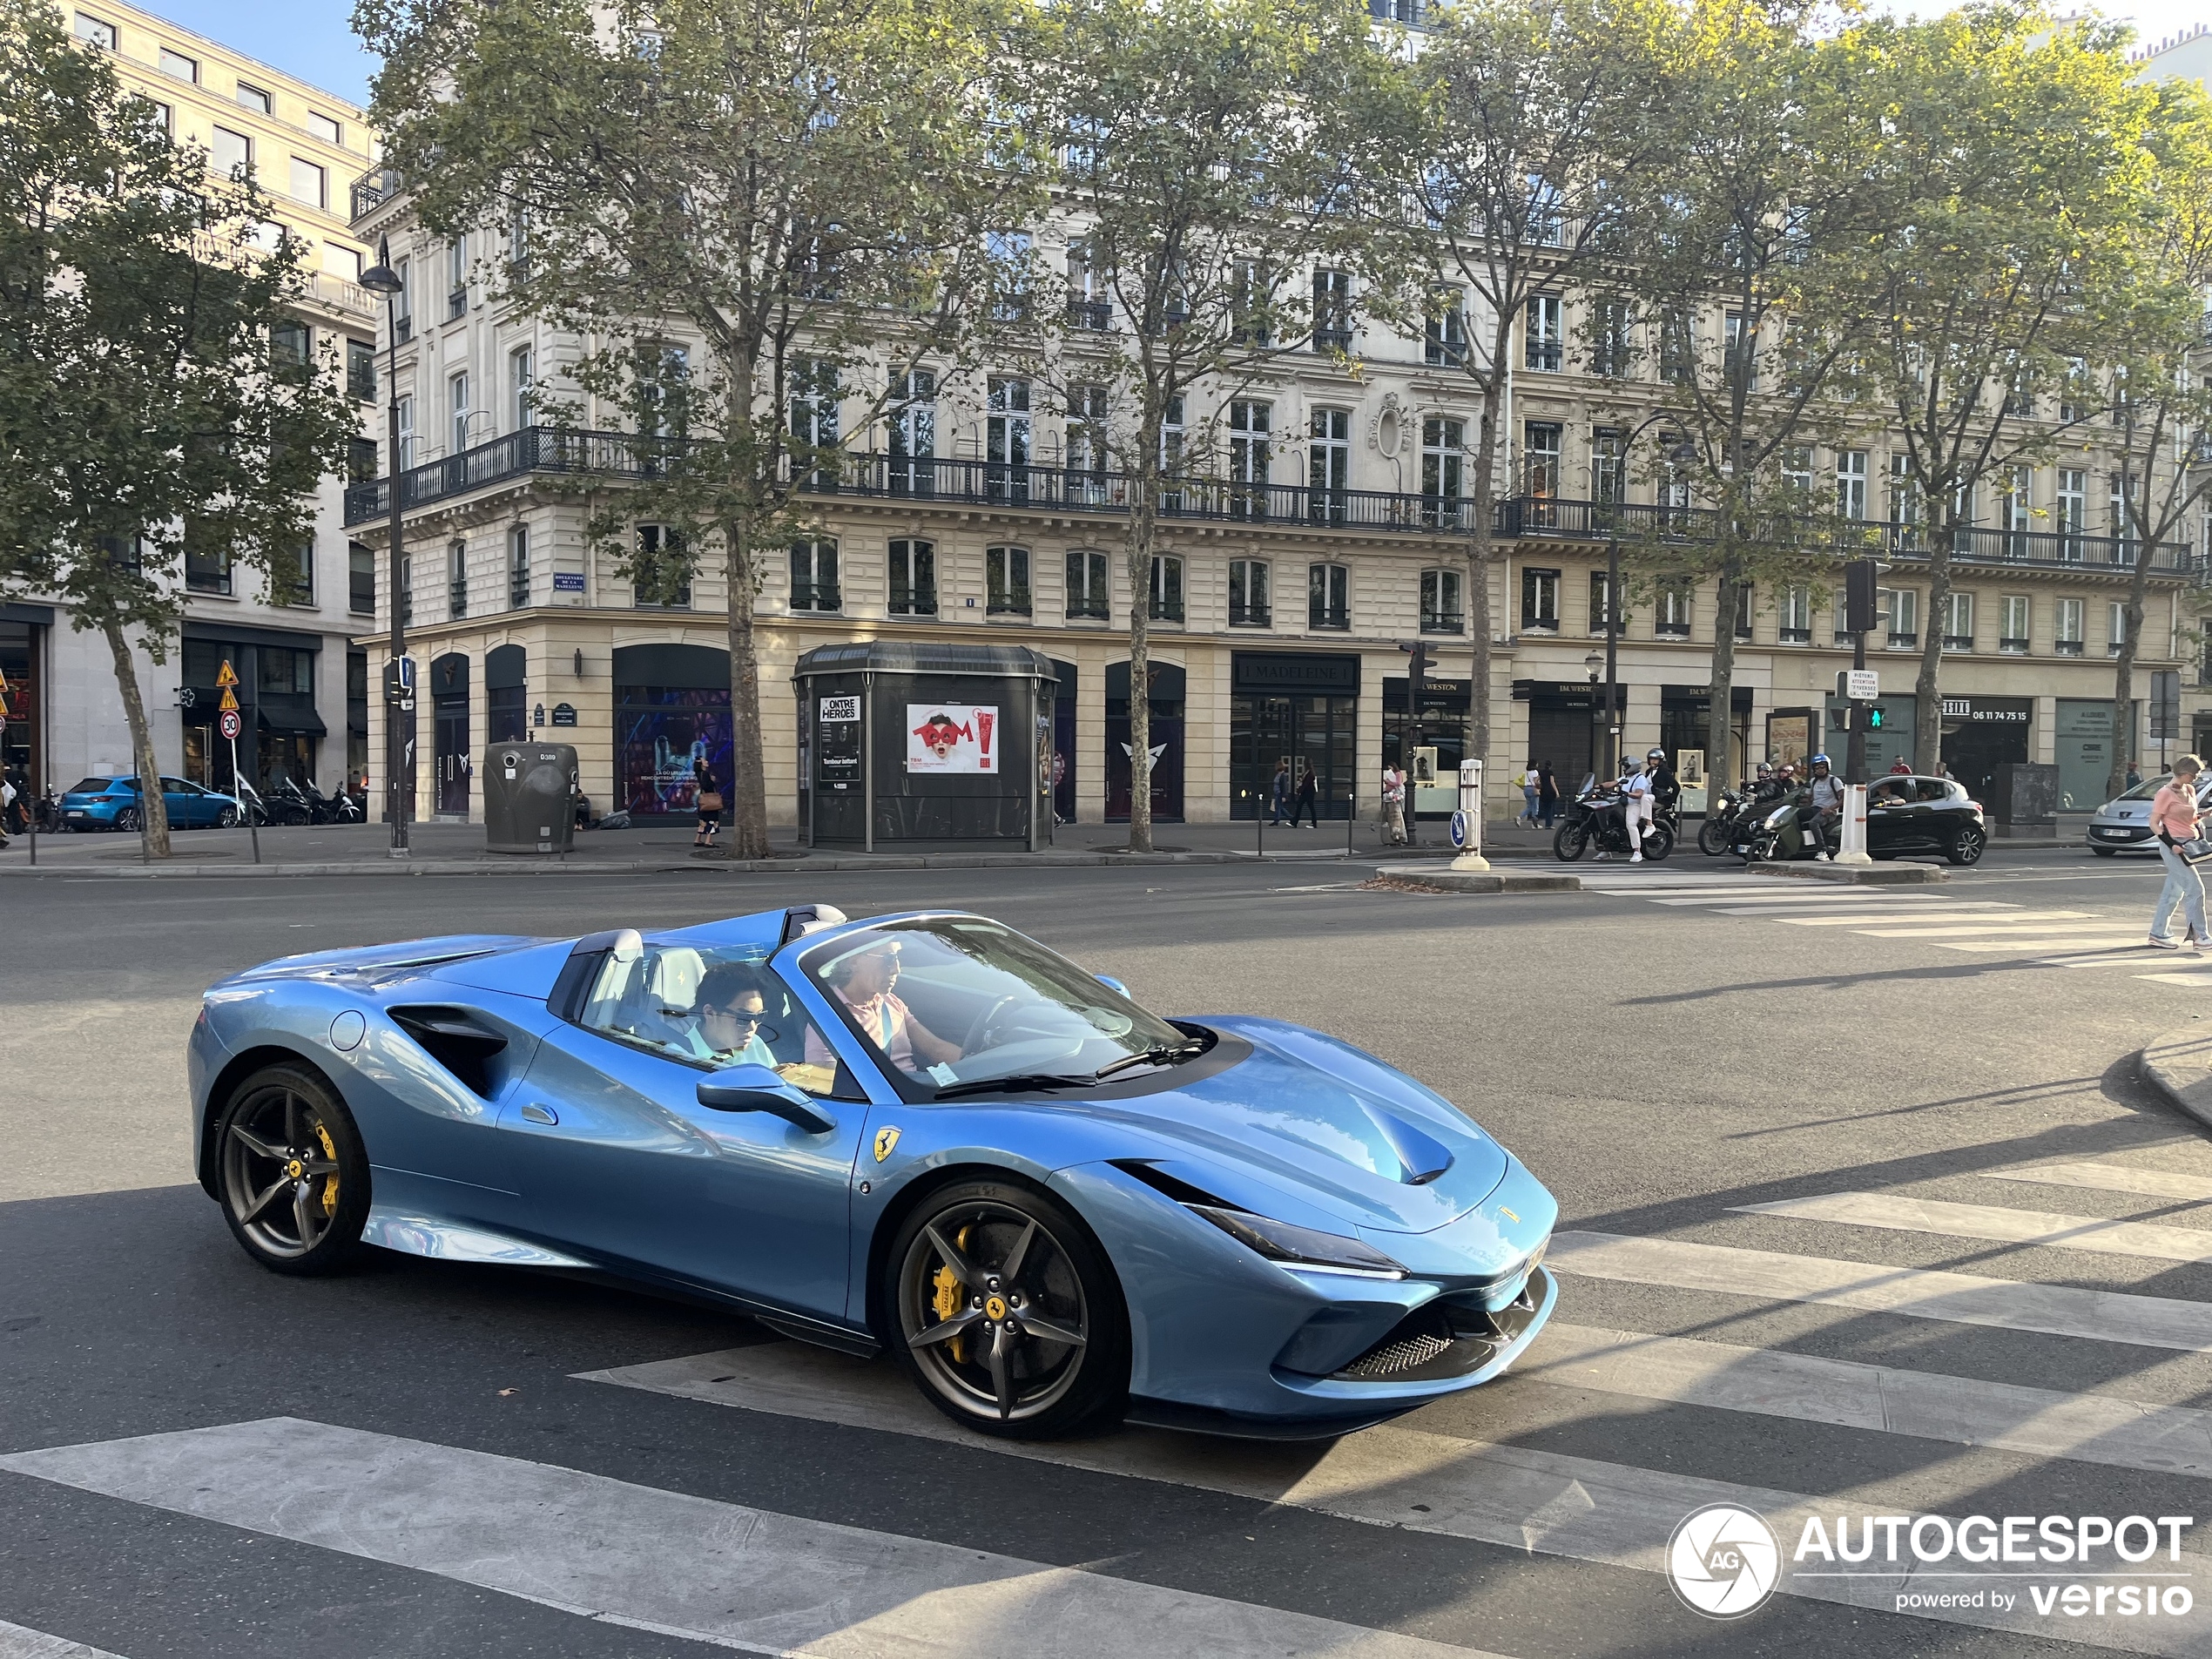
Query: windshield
x: 956, y: 999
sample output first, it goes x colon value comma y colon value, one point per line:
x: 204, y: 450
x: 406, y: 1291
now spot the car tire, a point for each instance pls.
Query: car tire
x: 228, y: 819
x: 2105, y: 851
x: 127, y: 820
x: 291, y: 1173
x: 1968, y: 844
x: 1042, y: 1388
x: 1570, y: 843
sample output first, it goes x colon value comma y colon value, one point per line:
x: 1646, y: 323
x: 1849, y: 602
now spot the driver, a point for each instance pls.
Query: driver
x: 863, y: 981
x: 726, y: 1028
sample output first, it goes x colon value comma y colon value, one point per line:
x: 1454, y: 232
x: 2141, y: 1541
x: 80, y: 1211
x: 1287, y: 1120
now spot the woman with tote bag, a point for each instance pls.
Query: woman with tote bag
x: 2173, y: 821
x: 710, y: 804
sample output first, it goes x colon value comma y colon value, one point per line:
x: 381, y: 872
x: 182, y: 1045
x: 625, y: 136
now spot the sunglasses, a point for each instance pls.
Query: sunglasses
x: 743, y: 1016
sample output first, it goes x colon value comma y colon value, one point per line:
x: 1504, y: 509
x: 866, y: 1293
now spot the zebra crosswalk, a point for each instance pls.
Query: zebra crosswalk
x: 1912, y: 1425
x: 1989, y: 928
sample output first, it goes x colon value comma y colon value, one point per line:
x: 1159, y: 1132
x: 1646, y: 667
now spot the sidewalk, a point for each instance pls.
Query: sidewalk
x: 449, y: 848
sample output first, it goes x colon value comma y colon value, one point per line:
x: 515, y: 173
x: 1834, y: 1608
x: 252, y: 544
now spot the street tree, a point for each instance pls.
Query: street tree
x: 772, y: 225
x: 2161, y: 406
x: 2011, y: 151
x: 1214, y: 153
x: 1735, y: 300
x: 1536, y: 138
x: 160, y: 413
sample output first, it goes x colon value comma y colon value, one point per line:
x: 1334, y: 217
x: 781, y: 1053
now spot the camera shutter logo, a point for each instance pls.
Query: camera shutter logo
x: 1723, y: 1561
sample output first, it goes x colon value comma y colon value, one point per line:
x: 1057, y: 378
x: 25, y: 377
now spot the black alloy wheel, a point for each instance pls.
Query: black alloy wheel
x: 292, y: 1172
x: 1006, y: 1312
x: 1570, y: 843
x: 1968, y: 846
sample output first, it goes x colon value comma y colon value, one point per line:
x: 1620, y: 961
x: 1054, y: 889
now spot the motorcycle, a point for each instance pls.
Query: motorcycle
x: 341, y: 808
x: 285, y: 805
x: 1594, y: 816
x: 1730, y: 820
x: 1777, y: 834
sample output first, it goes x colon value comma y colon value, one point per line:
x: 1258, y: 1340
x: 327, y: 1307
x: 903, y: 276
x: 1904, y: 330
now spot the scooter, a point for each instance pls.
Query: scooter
x: 1595, y: 817
x: 1777, y: 834
x: 1730, y: 820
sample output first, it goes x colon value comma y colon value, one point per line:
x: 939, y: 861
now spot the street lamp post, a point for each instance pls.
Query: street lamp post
x: 1595, y: 664
x: 399, y: 699
x: 1681, y: 453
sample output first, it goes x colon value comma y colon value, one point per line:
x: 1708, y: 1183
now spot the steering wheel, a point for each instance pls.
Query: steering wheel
x: 981, y: 1029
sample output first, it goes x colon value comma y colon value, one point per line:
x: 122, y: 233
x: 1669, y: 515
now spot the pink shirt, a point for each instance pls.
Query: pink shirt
x: 883, y: 1019
x: 2174, y: 810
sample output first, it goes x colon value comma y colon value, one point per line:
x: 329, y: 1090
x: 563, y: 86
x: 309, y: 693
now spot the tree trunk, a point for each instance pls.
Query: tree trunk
x: 1928, y: 694
x: 1141, y: 510
x: 2123, y: 675
x: 152, y: 803
x: 1482, y: 551
x: 748, y: 787
x: 1720, y: 699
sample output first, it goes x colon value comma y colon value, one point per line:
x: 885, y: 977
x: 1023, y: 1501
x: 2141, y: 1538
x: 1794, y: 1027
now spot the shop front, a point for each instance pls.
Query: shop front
x: 2084, y: 751
x: 1448, y: 708
x: 1565, y: 728
x: 276, y: 692
x: 1166, y: 743
x: 1063, y: 740
x: 22, y: 750
x: 671, y: 710
x: 507, y: 694
x: 1982, y: 734
x: 1302, y: 710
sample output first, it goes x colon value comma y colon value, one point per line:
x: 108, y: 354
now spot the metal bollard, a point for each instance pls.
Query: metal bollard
x: 1468, y: 819
x: 1854, y: 850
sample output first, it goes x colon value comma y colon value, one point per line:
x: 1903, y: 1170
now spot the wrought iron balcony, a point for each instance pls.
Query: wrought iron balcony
x: 372, y: 190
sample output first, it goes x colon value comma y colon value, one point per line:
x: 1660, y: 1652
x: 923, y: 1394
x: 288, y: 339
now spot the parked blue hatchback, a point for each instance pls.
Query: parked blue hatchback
x: 113, y: 804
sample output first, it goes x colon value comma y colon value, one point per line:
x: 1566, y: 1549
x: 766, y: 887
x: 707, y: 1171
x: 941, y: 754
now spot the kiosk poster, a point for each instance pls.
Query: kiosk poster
x: 952, y: 738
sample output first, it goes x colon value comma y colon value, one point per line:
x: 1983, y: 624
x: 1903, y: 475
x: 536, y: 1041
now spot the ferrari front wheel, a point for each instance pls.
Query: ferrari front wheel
x: 1006, y: 1312
x: 293, y: 1175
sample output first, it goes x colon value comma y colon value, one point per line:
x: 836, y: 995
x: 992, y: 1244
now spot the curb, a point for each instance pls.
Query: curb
x: 2178, y: 1066
x: 1481, y: 881
x: 1860, y: 876
x: 531, y: 866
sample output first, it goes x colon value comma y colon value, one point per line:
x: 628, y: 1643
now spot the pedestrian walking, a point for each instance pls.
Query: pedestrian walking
x: 2174, y: 820
x: 1546, y: 795
x: 709, y: 801
x: 1394, y: 804
x: 2134, y: 776
x: 1279, y: 790
x: 1306, y: 802
x: 1531, y: 791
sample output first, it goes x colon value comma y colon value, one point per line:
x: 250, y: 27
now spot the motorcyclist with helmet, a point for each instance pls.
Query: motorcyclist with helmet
x: 1635, y: 805
x: 1824, y: 807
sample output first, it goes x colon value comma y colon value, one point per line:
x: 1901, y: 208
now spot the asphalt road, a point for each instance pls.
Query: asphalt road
x: 423, y: 1470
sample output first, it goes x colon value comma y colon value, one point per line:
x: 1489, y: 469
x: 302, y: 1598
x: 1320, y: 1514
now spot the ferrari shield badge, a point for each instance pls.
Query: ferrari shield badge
x: 885, y: 1140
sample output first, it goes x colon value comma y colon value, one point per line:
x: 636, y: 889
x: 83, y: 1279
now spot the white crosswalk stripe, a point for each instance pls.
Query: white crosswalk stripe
x: 17, y: 1642
x: 1905, y: 1214
x: 2111, y: 1177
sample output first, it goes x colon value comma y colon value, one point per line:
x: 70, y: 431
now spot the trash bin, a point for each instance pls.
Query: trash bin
x: 530, y: 797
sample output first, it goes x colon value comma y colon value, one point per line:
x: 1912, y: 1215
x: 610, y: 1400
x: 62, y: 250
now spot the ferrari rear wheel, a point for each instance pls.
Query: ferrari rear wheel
x: 293, y: 1173
x: 1006, y: 1312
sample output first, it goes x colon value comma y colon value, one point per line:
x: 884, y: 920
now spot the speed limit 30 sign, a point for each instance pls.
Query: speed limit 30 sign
x: 228, y: 723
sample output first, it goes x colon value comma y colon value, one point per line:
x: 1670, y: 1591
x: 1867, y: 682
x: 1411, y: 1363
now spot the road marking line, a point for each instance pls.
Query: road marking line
x: 1971, y: 913
x: 17, y: 1642
x: 1993, y: 927
x: 2045, y: 941
x: 674, y: 1564
x: 2179, y: 979
x: 1815, y: 898
x: 2135, y: 958
x: 1900, y: 1213
x: 1533, y: 1502
x: 2109, y: 1177
x: 2040, y: 1422
x: 1913, y: 1292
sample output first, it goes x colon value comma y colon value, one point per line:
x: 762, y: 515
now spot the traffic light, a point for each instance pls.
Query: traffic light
x: 1859, y: 596
x: 1873, y: 717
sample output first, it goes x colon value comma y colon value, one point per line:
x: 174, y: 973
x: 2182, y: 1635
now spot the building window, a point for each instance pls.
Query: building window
x: 1249, y: 596
x: 813, y: 578
x: 1166, y: 601
x: 2116, y: 628
x: 404, y: 302
x: 405, y: 406
x: 360, y: 461
x: 328, y: 131
x: 292, y: 342
x: 1671, y: 619
x: 179, y: 66
x: 659, y: 576
x: 1008, y: 254
x: 360, y: 370
x: 1331, y: 311
x: 1087, y: 445
x: 360, y: 579
x: 1540, y: 459
x: 1677, y: 349
x: 1539, y: 601
x: 1796, y: 476
x: 522, y: 380
x: 207, y: 569
x: 1905, y: 502
x: 1545, y: 337
x: 1087, y: 594
x: 1443, y: 464
x: 2014, y: 636
x: 2067, y: 628
x: 1171, y: 437
x: 911, y: 424
x: 1959, y: 621
x: 1441, y: 610
x: 296, y: 577
x: 2119, y: 498
x: 518, y: 567
x: 94, y: 32
x: 518, y: 242
x: 914, y: 578
x: 1851, y: 483
x: 1328, y: 597
x: 1006, y: 433
x: 253, y: 98
x: 283, y: 671
x: 1903, y: 607
x: 231, y: 152
x: 309, y: 184
x: 1739, y: 352
x: 1006, y: 581
x: 1608, y: 462
x: 2016, y: 512
x: 1089, y: 303
x: 1796, y: 615
x: 2071, y: 509
x: 163, y: 114
x: 1743, y: 596
x: 457, y: 580
x: 457, y: 402
x: 457, y: 278
x: 1249, y: 425
x: 1328, y: 466
x: 1446, y: 344
x: 1613, y: 344
x: 1600, y: 602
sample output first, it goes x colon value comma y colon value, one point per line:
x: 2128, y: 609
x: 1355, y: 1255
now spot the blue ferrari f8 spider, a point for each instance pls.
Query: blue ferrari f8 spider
x: 923, y: 1133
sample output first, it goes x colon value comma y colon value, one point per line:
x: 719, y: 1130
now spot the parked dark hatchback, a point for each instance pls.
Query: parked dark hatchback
x: 1907, y: 813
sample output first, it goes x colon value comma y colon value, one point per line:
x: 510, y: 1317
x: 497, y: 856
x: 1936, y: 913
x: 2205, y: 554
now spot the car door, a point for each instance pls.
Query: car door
x: 616, y: 1157
x: 1888, y: 815
x: 187, y: 805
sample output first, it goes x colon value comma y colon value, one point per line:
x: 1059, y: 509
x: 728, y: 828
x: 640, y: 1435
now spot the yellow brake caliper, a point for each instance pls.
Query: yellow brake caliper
x: 947, y: 1301
x: 330, y: 1187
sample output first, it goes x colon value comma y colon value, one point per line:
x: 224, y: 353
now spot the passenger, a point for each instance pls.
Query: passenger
x: 730, y: 1008
x: 863, y: 983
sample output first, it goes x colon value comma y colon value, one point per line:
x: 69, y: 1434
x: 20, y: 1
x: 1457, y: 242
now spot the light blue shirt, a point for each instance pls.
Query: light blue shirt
x: 755, y: 1052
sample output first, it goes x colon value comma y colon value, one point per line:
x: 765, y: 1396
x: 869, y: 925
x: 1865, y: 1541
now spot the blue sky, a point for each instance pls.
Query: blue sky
x: 308, y: 38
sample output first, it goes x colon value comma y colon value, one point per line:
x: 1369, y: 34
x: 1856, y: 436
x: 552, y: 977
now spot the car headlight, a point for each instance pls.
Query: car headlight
x: 1299, y: 1247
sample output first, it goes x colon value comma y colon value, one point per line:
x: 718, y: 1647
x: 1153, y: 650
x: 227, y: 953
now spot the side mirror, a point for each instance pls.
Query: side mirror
x: 757, y: 1088
x: 1112, y: 985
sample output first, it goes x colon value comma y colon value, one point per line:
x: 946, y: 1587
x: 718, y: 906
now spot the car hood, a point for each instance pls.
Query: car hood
x: 1306, y: 1113
x: 405, y: 960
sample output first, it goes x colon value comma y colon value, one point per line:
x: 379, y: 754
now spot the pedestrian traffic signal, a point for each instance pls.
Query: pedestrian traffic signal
x: 1874, y: 717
